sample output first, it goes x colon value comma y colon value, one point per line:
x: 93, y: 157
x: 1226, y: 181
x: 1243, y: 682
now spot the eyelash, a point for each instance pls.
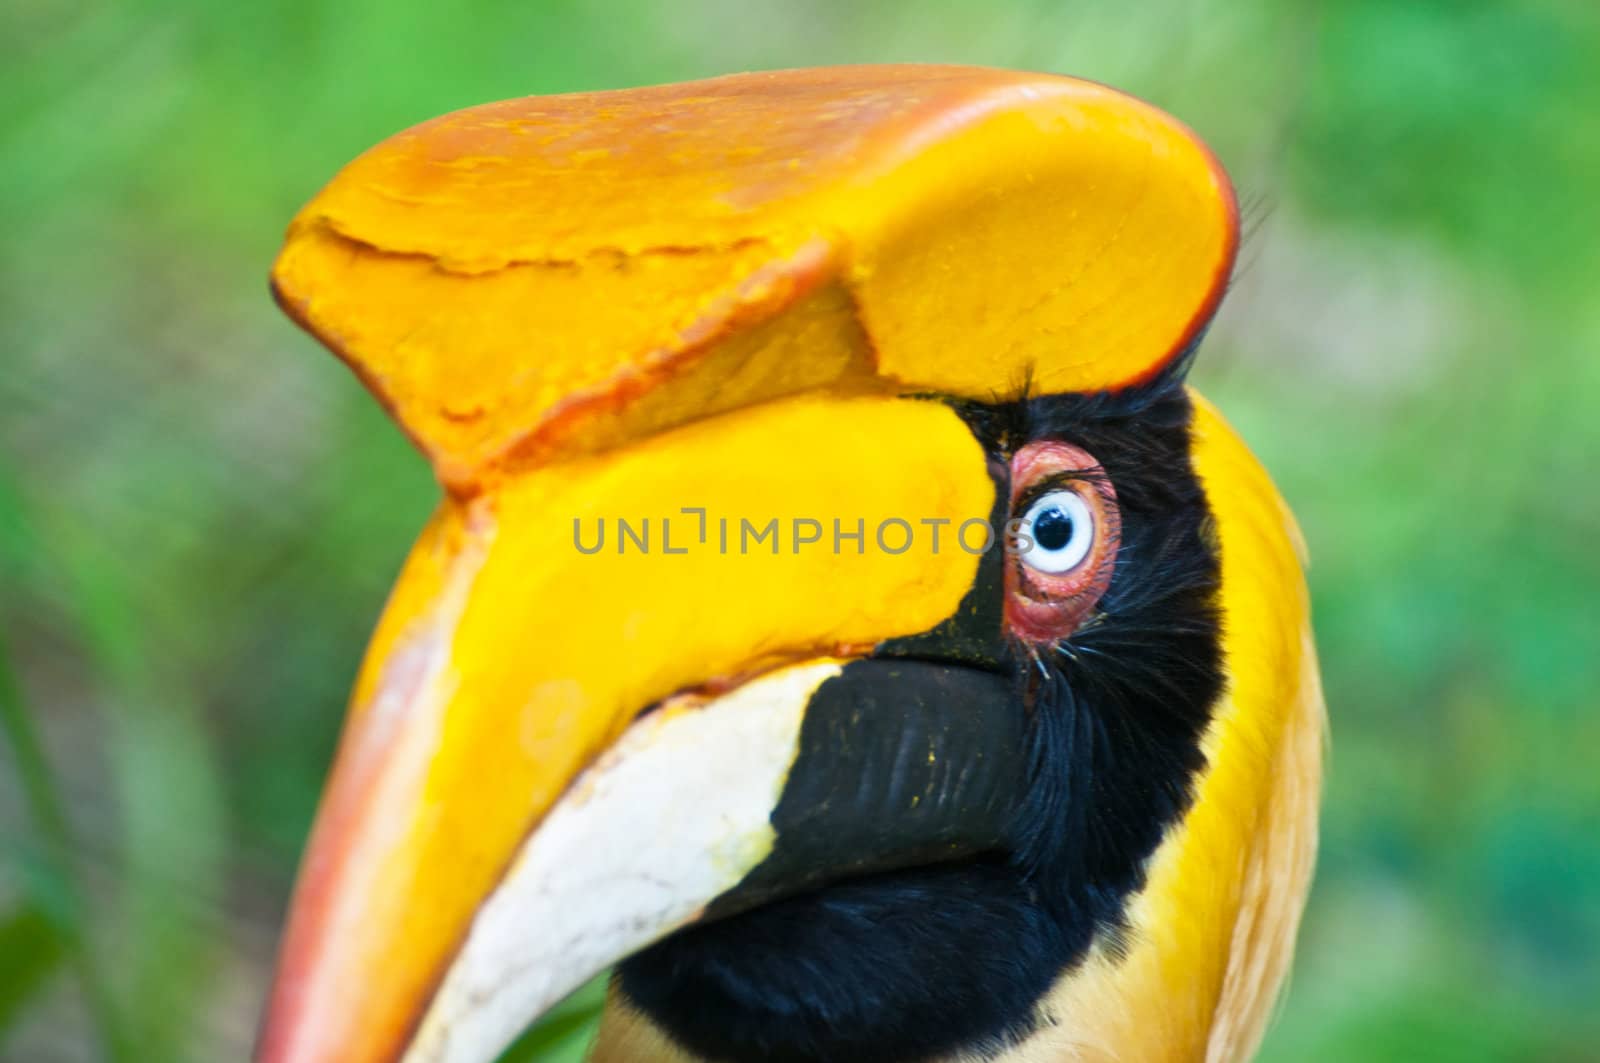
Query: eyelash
x: 1068, y: 479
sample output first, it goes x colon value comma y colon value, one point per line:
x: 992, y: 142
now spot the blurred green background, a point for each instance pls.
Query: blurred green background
x: 201, y: 511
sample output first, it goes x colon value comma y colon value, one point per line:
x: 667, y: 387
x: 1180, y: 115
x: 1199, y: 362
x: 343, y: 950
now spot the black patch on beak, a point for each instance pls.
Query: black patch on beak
x: 901, y: 764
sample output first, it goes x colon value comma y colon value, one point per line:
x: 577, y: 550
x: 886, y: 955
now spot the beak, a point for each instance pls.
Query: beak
x: 502, y: 823
x: 695, y: 315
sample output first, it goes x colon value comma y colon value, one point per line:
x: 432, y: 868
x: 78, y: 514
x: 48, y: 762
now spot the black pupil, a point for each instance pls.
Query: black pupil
x: 1053, y: 529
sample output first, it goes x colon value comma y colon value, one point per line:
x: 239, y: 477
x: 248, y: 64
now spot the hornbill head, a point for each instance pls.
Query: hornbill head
x: 841, y: 615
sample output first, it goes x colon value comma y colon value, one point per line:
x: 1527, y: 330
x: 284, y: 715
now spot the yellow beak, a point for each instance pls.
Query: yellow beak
x: 552, y: 302
x: 508, y: 660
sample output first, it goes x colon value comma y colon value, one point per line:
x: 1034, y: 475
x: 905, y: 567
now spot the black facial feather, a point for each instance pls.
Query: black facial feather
x: 927, y: 961
x: 1124, y: 710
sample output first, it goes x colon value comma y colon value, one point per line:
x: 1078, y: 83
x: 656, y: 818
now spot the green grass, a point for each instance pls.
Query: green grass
x: 200, y: 512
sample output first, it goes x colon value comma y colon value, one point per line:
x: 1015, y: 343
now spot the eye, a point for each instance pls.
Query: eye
x: 1068, y: 529
x: 1061, y: 529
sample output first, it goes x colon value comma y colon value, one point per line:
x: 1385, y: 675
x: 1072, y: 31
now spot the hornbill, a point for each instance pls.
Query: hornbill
x: 841, y: 618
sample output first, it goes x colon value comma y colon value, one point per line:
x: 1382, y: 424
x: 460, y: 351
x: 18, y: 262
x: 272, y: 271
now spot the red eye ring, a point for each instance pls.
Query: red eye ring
x: 1044, y: 606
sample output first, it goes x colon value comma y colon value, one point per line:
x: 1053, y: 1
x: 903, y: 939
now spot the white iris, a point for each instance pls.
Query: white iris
x: 1062, y: 529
